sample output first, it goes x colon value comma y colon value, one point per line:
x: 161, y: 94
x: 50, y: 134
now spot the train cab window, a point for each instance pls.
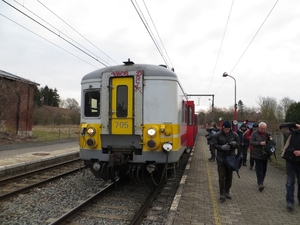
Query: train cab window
x: 92, y: 104
x: 122, y: 101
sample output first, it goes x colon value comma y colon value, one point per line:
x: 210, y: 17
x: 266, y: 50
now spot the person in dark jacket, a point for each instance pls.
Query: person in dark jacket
x: 225, y: 142
x: 291, y: 154
x: 258, y: 140
x: 244, y: 139
x: 212, y: 130
x: 248, y: 135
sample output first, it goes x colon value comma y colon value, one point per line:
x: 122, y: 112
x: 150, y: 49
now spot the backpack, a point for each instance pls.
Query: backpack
x: 270, y: 148
x: 234, y: 162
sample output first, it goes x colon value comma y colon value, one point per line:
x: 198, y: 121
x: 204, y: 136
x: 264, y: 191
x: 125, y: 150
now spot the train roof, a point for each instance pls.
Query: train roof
x: 149, y: 70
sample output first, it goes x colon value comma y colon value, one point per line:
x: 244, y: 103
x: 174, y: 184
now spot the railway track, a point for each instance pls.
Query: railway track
x: 13, y: 186
x: 115, y: 203
x: 123, y: 203
x: 95, y: 206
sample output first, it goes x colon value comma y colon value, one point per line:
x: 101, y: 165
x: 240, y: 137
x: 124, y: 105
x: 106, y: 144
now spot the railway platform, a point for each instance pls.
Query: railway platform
x: 17, y: 158
x: 197, y: 199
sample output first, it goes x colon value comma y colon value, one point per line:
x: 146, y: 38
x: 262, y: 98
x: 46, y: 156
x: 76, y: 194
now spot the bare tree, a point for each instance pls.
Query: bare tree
x: 70, y: 103
x: 268, y: 107
x: 285, y: 104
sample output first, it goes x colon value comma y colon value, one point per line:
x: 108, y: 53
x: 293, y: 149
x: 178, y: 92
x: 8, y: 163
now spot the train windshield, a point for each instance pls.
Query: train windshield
x: 92, y: 104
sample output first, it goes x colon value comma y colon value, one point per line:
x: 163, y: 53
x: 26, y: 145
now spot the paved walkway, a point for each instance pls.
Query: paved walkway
x: 198, y: 197
x: 20, y: 156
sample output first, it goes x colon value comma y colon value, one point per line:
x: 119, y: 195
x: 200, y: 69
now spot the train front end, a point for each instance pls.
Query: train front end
x: 132, y: 120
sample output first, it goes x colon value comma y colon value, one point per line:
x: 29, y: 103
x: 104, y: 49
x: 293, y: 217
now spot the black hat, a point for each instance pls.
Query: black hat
x: 226, y: 124
x: 243, y: 125
x: 255, y: 125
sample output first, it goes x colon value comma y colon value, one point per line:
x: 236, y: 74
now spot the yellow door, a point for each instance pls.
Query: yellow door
x: 121, y: 105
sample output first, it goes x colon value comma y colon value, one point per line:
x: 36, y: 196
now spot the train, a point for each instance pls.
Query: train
x: 135, y: 118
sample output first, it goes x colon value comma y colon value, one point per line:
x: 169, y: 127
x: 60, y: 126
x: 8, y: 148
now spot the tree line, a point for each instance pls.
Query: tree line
x: 269, y: 110
x: 46, y: 96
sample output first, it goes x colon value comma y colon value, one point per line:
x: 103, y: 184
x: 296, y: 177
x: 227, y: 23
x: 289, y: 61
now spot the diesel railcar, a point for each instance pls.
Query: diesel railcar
x: 134, y: 118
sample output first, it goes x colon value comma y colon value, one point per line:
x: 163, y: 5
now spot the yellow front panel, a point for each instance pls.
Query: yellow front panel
x: 122, y: 105
x: 165, y: 133
x: 84, y: 136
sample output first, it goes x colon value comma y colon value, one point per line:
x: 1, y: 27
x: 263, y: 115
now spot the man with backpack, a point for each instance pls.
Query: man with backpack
x: 258, y: 140
x: 226, y: 141
x: 291, y: 154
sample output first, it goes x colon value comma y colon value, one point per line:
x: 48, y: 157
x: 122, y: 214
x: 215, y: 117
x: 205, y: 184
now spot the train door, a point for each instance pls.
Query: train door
x: 121, y: 105
x: 190, y: 123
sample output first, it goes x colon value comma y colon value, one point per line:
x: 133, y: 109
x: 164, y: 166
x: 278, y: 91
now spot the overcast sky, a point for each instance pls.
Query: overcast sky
x: 257, y: 42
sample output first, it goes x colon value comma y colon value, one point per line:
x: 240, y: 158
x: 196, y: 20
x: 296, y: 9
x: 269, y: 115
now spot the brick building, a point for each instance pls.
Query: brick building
x: 16, y: 104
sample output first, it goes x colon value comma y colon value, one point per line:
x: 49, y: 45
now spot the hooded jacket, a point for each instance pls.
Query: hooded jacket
x: 220, y: 139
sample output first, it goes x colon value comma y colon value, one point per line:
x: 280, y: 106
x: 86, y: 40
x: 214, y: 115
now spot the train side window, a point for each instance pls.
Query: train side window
x: 190, y: 116
x: 122, y: 101
x: 183, y: 119
x: 92, y: 104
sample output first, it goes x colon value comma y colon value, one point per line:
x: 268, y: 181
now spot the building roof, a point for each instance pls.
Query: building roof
x: 56, y: 110
x: 15, y: 77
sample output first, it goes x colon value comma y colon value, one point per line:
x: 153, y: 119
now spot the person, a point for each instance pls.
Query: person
x: 212, y: 130
x: 248, y: 135
x: 247, y: 124
x: 292, y: 147
x: 225, y: 142
x: 258, y: 140
x: 244, y: 139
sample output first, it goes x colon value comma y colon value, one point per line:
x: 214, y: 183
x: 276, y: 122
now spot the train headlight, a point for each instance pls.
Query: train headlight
x: 91, y: 131
x: 151, y: 144
x: 91, y: 142
x: 151, y: 132
x: 167, y: 147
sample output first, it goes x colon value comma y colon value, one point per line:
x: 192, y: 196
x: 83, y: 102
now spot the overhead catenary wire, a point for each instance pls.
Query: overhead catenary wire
x: 140, y: 14
x: 54, y: 33
x: 254, y: 36
x: 47, y: 40
x: 76, y: 31
x: 158, y: 34
x: 249, y: 43
x: 220, y: 48
x: 60, y: 32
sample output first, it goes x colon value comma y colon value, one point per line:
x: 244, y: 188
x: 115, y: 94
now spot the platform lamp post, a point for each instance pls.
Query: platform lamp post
x: 235, y: 105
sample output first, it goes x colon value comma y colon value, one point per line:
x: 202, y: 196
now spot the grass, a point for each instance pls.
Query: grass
x: 51, y: 133
x: 278, y: 163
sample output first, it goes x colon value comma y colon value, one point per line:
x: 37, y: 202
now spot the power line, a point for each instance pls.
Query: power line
x: 250, y: 42
x: 255, y: 35
x: 60, y: 33
x: 149, y: 32
x: 157, y: 33
x: 47, y: 40
x: 221, y: 46
x: 54, y: 33
x: 76, y: 31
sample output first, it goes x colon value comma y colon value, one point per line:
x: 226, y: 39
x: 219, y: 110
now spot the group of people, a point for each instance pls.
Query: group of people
x: 226, y: 142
